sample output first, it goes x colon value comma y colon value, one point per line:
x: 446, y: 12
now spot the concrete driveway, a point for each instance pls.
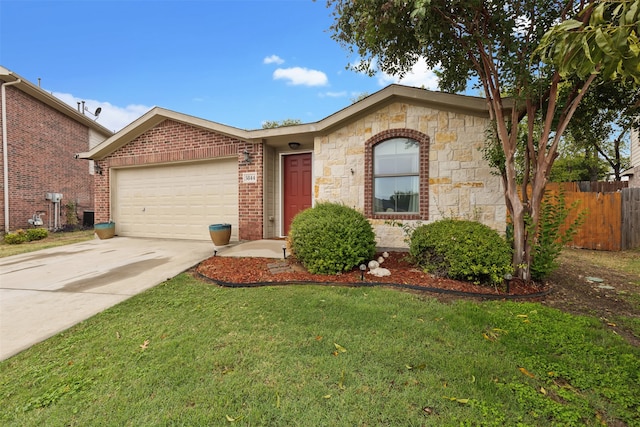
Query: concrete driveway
x: 45, y: 292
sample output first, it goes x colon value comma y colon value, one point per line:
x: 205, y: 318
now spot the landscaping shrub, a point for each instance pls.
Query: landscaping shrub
x: 461, y: 250
x: 36, y: 234
x: 19, y: 236
x: 71, y: 215
x: 552, y: 234
x: 331, y: 238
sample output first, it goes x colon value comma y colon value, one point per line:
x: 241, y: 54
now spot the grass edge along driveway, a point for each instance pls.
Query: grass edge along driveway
x: 54, y: 239
x: 190, y: 353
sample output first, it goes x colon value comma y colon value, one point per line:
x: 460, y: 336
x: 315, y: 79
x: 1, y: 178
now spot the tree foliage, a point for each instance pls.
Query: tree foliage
x: 359, y: 97
x: 601, y: 127
x: 602, y: 37
x: 271, y: 124
x: 578, y: 161
x: 534, y: 59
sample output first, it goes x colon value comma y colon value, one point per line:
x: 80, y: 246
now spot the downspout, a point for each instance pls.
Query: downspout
x: 5, y: 155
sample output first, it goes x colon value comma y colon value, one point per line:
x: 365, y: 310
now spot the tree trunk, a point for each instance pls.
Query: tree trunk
x: 515, y: 205
x: 520, y: 253
x: 517, y: 211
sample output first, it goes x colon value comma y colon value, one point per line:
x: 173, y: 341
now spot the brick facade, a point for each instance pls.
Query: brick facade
x: 172, y: 141
x: 42, y: 143
x: 250, y: 197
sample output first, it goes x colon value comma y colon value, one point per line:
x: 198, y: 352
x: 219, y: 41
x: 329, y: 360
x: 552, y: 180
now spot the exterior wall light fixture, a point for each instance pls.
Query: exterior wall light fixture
x: 247, y: 157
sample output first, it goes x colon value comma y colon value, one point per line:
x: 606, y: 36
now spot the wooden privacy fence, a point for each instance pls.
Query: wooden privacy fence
x: 612, y: 222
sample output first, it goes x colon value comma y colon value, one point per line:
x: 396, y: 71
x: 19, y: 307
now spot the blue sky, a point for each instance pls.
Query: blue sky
x: 238, y: 62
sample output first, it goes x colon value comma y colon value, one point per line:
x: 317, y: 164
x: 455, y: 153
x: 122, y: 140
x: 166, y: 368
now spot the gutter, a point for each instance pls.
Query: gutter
x: 5, y: 155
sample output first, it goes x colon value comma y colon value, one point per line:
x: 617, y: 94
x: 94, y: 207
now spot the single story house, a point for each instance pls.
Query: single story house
x: 402, y: 154
x: 40, y: 137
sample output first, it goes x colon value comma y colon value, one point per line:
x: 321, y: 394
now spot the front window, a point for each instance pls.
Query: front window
x: 396, y: 176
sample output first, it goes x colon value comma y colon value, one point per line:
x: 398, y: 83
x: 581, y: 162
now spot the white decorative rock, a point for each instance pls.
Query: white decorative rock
x: 380, y: 260
x: 380, y: 272
x: 385, y: 254
x: 373, y: 265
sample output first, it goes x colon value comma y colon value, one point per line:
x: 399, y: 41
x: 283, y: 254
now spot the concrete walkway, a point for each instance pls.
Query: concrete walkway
x: 45, y: 292
x: 255, y: 249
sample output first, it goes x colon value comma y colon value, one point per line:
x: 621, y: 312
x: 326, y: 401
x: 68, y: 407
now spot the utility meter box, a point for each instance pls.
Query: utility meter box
x: 54, y: 197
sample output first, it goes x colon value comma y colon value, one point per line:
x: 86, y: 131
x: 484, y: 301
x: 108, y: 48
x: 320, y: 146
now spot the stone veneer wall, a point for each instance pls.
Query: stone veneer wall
x: 460, y: 182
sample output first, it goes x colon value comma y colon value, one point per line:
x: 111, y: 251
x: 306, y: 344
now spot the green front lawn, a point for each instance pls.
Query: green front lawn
x: 189, y: 353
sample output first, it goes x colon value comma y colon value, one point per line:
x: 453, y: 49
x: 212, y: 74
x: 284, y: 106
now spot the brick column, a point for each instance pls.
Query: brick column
x: 250, y: 194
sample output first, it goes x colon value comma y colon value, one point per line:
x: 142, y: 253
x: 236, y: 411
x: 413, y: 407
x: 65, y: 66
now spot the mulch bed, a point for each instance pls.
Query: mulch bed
x: 246, y: 272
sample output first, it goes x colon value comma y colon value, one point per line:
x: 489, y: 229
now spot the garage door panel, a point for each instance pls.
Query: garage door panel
x: 176, y: 201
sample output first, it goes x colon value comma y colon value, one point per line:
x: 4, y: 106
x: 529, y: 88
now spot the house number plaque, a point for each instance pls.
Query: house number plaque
x: 249, y: 178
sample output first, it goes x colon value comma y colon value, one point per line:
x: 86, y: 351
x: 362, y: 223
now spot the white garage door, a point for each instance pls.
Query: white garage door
x: 176, y: 201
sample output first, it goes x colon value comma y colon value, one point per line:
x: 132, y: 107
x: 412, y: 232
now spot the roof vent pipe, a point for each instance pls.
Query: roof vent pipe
x: 5, y: 155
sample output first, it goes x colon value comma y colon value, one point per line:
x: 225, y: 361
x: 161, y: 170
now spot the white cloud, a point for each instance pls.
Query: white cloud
x: 301, y: 76
x: 273, y: 59
x: 111, y: 117
x: 334, y: 94
x: 419, y: 76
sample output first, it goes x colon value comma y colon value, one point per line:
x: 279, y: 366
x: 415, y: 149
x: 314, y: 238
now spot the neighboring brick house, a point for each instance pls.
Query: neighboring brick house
x: 402, y: 154
x: 634, y: 170
x: 41, y: 136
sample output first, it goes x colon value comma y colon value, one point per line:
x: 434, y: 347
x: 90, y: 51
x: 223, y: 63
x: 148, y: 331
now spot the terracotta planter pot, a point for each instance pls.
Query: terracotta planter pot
x: 105, y: 230
x: 220, y: 234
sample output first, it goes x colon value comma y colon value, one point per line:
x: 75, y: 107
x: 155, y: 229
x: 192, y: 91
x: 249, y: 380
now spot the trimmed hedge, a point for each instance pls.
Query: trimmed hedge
x: 36, y: 234
x: 331, y: 238
x: 461, y: 250
x: 22, y: 236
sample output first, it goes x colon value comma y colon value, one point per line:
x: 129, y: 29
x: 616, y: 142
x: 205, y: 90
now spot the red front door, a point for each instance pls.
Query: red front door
x: 297, y: 186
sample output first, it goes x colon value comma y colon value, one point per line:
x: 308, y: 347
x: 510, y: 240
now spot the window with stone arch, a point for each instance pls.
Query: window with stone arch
x: 397, y: 175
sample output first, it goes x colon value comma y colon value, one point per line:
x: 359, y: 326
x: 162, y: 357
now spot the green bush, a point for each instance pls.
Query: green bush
x: 20, y: 236
x: 331, y: 238
x: 36, y: 234
x: 71, y: 215
x: 461, y: 250
x: 552, y: 234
